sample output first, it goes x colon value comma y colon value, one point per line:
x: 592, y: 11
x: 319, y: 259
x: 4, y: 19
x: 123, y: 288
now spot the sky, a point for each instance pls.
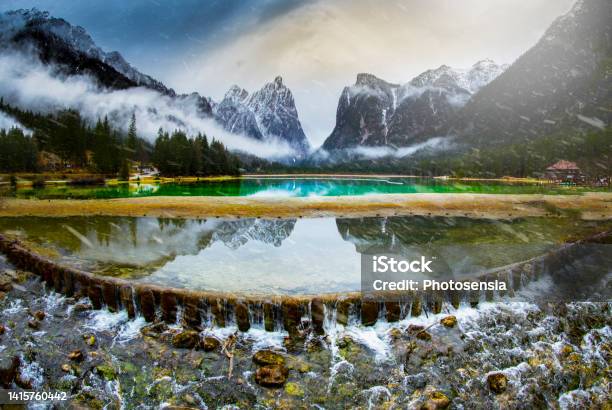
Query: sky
x: 317, y: 46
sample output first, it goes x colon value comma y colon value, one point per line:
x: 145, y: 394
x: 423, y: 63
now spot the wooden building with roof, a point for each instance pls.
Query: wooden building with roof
x: 565, y: 171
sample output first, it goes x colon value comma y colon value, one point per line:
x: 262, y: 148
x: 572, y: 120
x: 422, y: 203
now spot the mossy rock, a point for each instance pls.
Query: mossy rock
x: 186, y: 340
x: 106, y: 371
x: 449, y: 321
x: 208, y: 344
x: 294, y: 389
x: 268, y: 357
x: 274, y: 375
x: 436, y: 400
x: 498, y: 382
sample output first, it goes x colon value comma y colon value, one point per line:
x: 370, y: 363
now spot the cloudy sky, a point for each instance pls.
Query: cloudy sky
x: 318, y: 46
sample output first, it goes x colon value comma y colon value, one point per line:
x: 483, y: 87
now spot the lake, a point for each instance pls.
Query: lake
x: 284, y: 256
x: 292, y: 187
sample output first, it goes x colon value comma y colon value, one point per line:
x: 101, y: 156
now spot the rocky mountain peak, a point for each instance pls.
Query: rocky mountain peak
x: 236, y: 93
x: 370, y: 80
x: 71, y: 47
x: 267, y: 113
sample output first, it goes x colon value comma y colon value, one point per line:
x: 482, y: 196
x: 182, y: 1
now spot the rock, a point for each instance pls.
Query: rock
x: 344, y: 342
x: 274, y: 375
x: 208, y: 344
x: 2, y: 330
x: 436, y: 401
x: 6, y: 283
x: 66, y: 367
x: 81, y: 307
x: 422, y: 335
x: 268, y: 357
x: 395, y: 333
x: 76, y: 355
x: 294, y: 389
x: 39, y: 315
x: 415, y: 328
x: 498, y: 382
x: 8, y: 369
x: 186, y: 340
x: 89, y: 339
x: 154, y: 330
x: 449, y: 321
x: 34, y: 324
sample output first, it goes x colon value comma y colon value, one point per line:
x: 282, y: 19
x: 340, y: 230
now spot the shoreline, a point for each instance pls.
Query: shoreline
x: 590, y: 206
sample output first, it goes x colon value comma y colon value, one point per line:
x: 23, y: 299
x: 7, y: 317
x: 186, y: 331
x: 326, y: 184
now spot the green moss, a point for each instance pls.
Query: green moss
x: 294, y: 389
x: 106, y: 371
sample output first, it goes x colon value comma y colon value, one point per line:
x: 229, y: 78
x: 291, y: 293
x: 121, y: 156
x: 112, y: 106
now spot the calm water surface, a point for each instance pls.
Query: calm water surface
x: 288, y: 187
x: 284, y: 256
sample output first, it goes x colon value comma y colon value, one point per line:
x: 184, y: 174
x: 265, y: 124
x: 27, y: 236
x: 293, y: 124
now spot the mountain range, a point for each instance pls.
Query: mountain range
x: 373, y: 112
x: 563, y: 84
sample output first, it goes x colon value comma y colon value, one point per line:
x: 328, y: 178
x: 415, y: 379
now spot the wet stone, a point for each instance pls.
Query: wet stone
x: 154, y: 330
x: 268, y: 357
x: 422, y: 335
x: 186, y: 340
x: 274, y: 375
x: 449, y: 321
x: 34, y: 324
x: 9, y: 365
x: 2, y: 330
x: 498, y: 382
x: 415, y: 328
x: 436, y: 401
x: 208, y: 344
x: 76, y: 355
x: 39, y: 315
x: 5, y: 283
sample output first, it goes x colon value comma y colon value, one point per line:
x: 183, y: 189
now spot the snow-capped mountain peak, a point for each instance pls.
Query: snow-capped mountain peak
x: 267, y: 113
x: 29, y: 25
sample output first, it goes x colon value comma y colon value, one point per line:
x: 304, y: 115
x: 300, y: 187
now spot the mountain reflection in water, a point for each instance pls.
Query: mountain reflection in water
x: 284, y: 255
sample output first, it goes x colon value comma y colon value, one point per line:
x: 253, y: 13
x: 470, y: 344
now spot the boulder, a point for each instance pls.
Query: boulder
x: 187, y: 339
x: 2, y: 330
x: 76, y: 355
x: 436, y: 400
x: 498, y: 382
x: 274, y: 375
x: 208, y: 344
x: 5, y: 283
x: 268, y: 357
x: 9, y: 364
x: 422, y: 335
x: 449, y: 321
x: 39, y: 315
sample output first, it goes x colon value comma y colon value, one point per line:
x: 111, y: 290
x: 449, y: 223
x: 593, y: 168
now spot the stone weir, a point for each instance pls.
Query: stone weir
x: 295, y: 314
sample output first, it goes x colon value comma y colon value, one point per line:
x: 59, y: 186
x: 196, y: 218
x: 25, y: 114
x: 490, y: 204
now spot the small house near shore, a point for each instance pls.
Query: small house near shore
x: 565, y: 171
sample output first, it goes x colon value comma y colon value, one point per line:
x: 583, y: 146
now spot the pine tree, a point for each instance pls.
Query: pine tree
x: 132, y: 138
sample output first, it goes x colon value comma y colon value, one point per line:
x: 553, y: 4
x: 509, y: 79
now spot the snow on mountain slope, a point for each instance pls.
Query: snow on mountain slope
x: 268, y: 113
x: 373, y: 112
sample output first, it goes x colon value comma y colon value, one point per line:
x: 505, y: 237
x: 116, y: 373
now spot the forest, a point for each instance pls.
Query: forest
x: 65, y: 140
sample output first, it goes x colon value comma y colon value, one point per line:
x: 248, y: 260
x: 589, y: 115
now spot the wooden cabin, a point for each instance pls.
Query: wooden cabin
x: 565, y: 172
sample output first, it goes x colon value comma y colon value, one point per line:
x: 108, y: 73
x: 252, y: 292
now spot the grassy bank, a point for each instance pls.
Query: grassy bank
x: 596, y: 205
